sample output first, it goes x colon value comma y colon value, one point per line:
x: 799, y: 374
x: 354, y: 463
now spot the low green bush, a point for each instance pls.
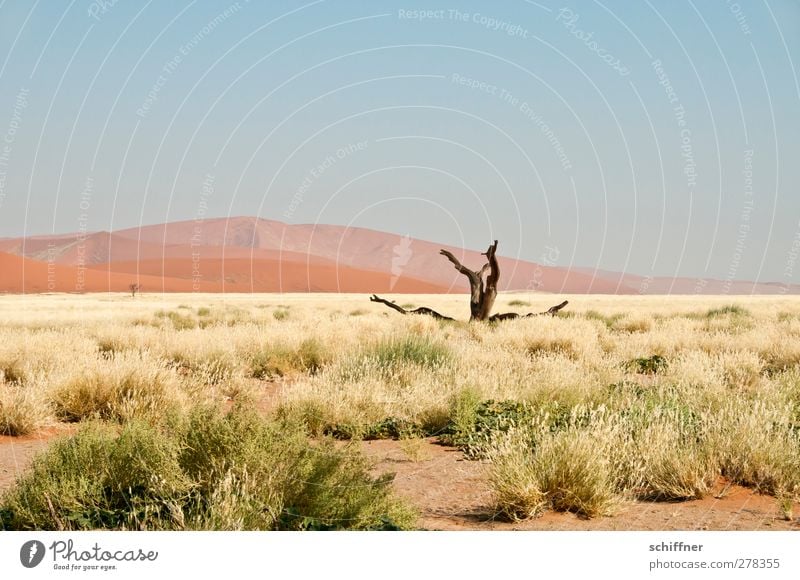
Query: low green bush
x: 652, y: 365
x: 203, y: 471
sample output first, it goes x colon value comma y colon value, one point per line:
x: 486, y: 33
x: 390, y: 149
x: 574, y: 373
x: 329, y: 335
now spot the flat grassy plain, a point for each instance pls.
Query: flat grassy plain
x: 210, y: 411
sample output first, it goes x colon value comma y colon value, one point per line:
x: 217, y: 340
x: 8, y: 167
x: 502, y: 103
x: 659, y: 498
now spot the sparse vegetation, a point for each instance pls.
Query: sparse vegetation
x: 634, y: 398
x: 205, y: 471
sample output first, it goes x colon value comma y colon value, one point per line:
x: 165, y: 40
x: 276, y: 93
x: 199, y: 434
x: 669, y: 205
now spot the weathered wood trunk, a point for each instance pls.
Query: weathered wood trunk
x: 482, y: 293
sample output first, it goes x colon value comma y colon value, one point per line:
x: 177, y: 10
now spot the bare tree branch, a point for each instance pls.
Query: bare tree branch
x: 554, y: 309
x: 482, y: 293
x: 494, y: 275
x: 513, y: 315
x: 463, y: 269
x: 376, y: 298
x: 504, y: 316
x: 421, y: 310
x: 475, y: 285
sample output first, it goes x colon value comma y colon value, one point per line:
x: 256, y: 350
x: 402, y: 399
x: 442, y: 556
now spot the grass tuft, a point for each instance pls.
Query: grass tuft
x: 416, y: 350
x: 310, y: 356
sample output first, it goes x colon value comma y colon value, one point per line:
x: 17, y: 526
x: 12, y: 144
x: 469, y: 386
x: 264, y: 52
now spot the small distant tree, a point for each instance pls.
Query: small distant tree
x: 134, y: 288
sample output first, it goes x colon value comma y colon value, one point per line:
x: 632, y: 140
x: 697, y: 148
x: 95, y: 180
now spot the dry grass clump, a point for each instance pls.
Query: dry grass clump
x: 565, y: 470
x: 663, y: 458
x: 589, y: 459
x: 657, y: 442
x: 758, y: 444
x: 633, y: 324
x: 12, y: 370
x: 124, y: 387
x: 405, y: 377
x: 410, y: 349
x: 542, y: 345
x: 24, y: 408
x: 279, y: 360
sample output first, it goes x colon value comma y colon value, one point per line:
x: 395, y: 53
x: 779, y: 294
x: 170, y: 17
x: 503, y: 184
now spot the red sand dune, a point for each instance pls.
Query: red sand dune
x: 366, y: 249
x: 243, y: 254
x: 22, y: 275
x: 273, y: 275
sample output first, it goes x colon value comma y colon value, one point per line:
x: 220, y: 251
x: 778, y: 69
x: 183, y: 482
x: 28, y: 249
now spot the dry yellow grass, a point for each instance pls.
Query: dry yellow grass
x: 657, y: 396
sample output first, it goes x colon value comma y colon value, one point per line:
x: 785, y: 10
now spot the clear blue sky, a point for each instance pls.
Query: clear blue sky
x: 657, y: 137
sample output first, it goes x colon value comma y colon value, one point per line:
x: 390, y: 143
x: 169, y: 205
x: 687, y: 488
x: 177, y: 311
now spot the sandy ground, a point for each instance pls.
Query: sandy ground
x: 451, y: 493
x: 16, y: 453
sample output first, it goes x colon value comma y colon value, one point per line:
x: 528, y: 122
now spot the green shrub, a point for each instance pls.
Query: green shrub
x: 648, y: 366
x: 280, y: 314
x: 608, y: 320
x: 178, y: 320
x: 388, y: 428
x: 205, y: 471
x: 730, y: 310
x: 475, y: 424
